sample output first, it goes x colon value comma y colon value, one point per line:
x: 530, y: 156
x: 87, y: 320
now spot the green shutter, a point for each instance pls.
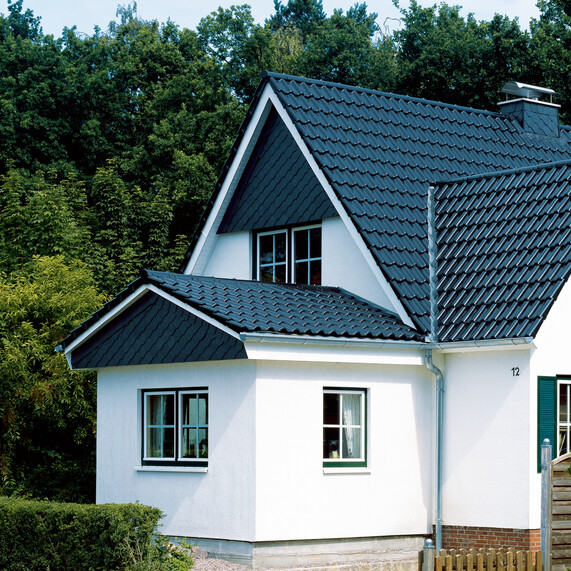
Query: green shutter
x: 546, y: 415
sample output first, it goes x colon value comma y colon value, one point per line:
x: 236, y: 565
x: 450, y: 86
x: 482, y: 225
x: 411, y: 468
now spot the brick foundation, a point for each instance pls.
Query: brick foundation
x: 466, y: 537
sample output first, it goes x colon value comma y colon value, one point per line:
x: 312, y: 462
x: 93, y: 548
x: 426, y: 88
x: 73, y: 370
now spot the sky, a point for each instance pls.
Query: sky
x: 85, y: 14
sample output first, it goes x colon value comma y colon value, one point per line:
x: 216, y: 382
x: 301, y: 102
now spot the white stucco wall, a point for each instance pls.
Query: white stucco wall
x: 231, y: 257
x: 216, y: 504
x: 489, y: 439
x: 296, y: 499
x: 265, y: 478
x: 553, y: 341
x: 343, y: 262
x: 345, y: 266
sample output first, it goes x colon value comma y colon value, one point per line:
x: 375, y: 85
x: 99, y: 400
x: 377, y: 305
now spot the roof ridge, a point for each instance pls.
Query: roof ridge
x: 399, y: 96
x: 506, y: 172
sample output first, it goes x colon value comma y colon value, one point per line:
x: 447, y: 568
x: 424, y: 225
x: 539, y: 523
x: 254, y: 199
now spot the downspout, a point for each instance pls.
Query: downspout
x: 433, y: 338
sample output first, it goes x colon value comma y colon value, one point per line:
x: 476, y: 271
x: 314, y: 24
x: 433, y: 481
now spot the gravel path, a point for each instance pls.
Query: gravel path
x: 204, y: 563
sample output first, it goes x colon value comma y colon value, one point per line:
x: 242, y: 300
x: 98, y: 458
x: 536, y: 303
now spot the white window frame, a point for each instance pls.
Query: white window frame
x: 355, y: 462
x: 311, y: 258
x: 177, y: 459
x: 182, y: 426
x: 273, y: 264
x: 290, y: 260
x: 146, y: 425
x: 565, y: 424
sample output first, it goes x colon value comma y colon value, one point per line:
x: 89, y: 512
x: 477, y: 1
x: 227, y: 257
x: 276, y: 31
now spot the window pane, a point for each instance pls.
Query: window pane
x: 267, y: 274
x: 563, y: 390
x: 203, y: 443
x: 154, y: 442
x: 160, y: 443
x: 203, y: 409
x: 351, y: 410
x: 301, y: 275
x: 189, y: 409
x: 280, y: 247
x: 331, y: 443
x: 331, y: 408
x: 301, y: 245
x: 266, y: 253
x: 315, y: 272
x: 351, y: 442
x: 189, y: 442
x: 160, y: 409
x: 315, y: 242
x: 280, y: 273
x: 563, y: 441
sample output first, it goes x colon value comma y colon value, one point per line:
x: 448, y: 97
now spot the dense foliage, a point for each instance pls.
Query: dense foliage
x: 40, y: 535
x: 111, y: 143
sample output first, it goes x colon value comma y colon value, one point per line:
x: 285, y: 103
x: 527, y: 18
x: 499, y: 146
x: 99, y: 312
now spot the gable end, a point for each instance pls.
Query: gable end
x: 265, y: 200
x: 155, y: 331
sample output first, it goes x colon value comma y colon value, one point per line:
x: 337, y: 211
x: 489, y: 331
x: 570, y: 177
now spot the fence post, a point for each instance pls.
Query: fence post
x: 546, y: 504
x: 428, y: 555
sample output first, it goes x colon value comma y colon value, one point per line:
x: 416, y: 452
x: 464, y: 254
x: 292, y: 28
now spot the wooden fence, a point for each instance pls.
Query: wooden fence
x: 561, y: 514
x: 486, y: 560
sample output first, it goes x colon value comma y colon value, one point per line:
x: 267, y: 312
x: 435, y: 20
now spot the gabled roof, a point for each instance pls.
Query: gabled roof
x: 504, y: 251
x: 380, y: 151
x: 249, y: 306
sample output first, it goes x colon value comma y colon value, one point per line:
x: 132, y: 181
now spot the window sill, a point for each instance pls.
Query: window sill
x: 191, y: 469
x: 348, y: 470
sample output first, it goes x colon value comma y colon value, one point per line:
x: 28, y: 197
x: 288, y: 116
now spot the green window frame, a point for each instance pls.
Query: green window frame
x: 175, y: 427
x: 344, y: 428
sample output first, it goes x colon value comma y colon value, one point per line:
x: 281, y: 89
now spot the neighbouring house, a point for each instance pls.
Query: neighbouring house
x: 370, y: 338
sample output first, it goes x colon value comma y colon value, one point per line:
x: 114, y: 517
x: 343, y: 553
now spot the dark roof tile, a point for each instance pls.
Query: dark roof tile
x: 501, y: 266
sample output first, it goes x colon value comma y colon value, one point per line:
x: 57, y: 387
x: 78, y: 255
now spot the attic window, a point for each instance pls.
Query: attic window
x: 289, y: 255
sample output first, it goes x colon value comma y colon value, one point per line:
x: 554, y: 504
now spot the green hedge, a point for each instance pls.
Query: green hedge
x: 42, y: 535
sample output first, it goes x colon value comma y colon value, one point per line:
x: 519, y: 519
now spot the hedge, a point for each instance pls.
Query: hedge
x: 42, y: 535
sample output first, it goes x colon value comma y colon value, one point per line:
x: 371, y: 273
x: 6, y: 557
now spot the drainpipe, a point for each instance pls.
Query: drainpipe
x: 439, y: 402
x: 433, y: 338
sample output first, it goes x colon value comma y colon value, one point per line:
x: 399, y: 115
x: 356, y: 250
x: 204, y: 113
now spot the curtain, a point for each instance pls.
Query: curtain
x: 351, y: 410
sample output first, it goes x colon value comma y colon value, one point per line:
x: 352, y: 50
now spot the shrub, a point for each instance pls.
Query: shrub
x: 42, y: 535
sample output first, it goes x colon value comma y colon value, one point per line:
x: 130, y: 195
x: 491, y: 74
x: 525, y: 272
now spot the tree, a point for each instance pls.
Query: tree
x: 442, y: 56
x: 342, y: 49
x: 41, y: 216
x: 48, y: 411
x: 304, y: 15
x: 551, y: 51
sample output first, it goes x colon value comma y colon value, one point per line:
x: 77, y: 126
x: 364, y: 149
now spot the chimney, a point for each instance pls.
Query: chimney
x: 535, y: 116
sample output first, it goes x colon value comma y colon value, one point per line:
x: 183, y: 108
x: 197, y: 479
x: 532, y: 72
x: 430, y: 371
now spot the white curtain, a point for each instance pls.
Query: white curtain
x: 352, y: 426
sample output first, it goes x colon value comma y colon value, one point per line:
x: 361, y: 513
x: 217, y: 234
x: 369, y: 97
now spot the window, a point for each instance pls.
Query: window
x: 564, y: 423
x: 175, y: 427
x: 275, y: 263
x: 344, y: 427
x: 554, y: 415
x: 272, y: 256
x: 307, y: 256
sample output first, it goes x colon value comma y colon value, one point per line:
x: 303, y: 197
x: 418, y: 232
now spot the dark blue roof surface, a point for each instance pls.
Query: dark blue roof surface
x: 155, y: 331
x: 279, y: 178
x: 380, y: 151
x: 251, y: 306
x: 504, y: 251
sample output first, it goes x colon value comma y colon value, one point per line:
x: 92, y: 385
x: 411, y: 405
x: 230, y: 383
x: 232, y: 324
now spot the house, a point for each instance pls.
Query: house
x: 368, y: 341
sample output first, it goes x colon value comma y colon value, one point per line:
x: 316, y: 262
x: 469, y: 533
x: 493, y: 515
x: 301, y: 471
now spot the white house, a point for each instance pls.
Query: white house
x: 351, y: 361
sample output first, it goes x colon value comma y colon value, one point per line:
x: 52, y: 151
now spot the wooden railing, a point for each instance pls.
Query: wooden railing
x: 488, y: 560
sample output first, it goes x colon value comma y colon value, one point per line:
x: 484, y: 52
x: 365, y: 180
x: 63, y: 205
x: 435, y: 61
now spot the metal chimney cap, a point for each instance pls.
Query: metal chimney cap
x: 526, y: 91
